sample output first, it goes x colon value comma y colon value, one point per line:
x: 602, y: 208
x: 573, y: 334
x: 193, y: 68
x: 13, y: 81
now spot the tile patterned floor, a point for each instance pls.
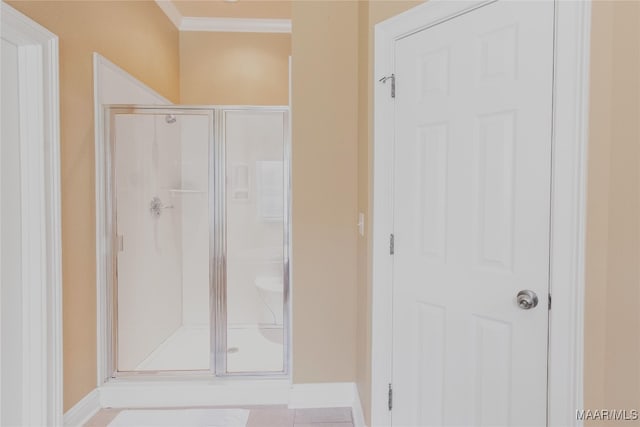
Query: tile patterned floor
x: 266, y: 416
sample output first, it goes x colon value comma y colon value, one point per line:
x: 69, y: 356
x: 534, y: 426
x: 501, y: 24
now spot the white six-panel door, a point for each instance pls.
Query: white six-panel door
x: 472, y: 177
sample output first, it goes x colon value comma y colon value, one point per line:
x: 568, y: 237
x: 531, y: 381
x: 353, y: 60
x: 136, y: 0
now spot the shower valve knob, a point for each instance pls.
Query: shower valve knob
x: 156, y: 206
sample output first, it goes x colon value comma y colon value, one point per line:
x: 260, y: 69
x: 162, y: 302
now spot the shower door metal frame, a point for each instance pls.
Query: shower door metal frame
x: 110, y: 111
x: 217, y: 239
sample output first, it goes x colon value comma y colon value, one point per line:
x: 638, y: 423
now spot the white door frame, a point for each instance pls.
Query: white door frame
x: 569, y: 160
x: 40, y: 214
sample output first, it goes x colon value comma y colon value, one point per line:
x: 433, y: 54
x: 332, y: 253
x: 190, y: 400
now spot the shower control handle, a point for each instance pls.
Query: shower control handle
x: 156, y: 206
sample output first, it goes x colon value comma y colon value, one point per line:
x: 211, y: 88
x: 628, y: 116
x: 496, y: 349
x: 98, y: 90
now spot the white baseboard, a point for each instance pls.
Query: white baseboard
x: 321, y: 395
x: 358, y: 412
x: 82, y: 411
x: 137, y: 393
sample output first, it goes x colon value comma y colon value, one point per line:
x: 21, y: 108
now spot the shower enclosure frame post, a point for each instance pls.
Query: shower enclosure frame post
x: 217, y: 208
x: 218, y: 245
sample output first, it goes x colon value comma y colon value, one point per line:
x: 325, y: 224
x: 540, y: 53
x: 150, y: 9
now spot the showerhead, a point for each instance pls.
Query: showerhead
x: 170, y: 118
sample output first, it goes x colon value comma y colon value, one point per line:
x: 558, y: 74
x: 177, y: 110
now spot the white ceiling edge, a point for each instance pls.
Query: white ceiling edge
x: 236, y: 25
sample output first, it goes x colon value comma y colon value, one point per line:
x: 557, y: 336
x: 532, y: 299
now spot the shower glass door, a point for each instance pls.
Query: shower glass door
x: 198, y: 227
x: 257, y: 279
x: 161, y: 234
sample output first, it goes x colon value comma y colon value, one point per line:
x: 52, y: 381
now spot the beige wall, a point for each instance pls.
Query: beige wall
x: 138, y: 37
x: 324, y: 145
x: 234, y: 68
x: 622, y: 358
x: 598, y: 203
x: 363, y: 310
x: 612, y: 321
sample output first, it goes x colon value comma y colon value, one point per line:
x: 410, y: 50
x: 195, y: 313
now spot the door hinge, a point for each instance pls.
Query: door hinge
x: 392, y: 244
x: 392, y: 77
x: 549, y: 301
x: 390, y: 397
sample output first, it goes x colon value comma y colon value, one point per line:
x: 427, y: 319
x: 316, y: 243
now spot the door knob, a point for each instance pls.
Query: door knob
x: 527, y: 299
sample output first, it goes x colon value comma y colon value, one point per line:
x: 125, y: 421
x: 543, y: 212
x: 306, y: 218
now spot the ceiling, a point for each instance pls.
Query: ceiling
x: 260, y: 9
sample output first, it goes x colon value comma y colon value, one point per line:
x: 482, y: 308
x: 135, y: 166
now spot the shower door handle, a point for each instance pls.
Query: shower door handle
x: 120, y: 242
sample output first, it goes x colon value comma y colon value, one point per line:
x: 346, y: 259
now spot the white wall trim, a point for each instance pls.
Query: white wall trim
x: 571, y: 85
x: 122, y: 393
x: 174, y: 392
x: 100, y: 63
x: 82, y: 411
x: 568, y: 221
x: 357, y: 411
x: 154, y: 392
x: 322, y: 395
x: 102, y: 96
x: 236, y: 25
x: 171, y: 11
x: 228, y: 25
x: 41, y: 227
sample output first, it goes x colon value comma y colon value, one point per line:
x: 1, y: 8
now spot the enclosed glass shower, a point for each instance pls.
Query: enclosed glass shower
x: 199, y: 221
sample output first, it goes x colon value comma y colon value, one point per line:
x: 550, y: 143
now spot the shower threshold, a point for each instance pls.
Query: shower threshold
x: 147, y: 391
x: 250, y: 348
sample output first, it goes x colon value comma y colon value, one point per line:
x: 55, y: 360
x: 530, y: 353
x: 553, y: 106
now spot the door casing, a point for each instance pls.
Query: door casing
x: 40, y: 234
x: 568, y: 207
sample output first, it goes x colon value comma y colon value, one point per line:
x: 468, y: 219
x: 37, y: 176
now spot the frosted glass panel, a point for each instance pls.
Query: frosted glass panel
x: 255, y: 212
x: 162, y: 225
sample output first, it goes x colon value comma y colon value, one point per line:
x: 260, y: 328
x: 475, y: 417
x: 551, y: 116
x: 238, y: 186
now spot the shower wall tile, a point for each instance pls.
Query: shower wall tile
x: 194, y: 144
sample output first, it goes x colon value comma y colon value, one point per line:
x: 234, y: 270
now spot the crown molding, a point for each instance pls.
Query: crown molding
x: 231, y: 25
x: 236, y: 25
x: 171, y: 11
